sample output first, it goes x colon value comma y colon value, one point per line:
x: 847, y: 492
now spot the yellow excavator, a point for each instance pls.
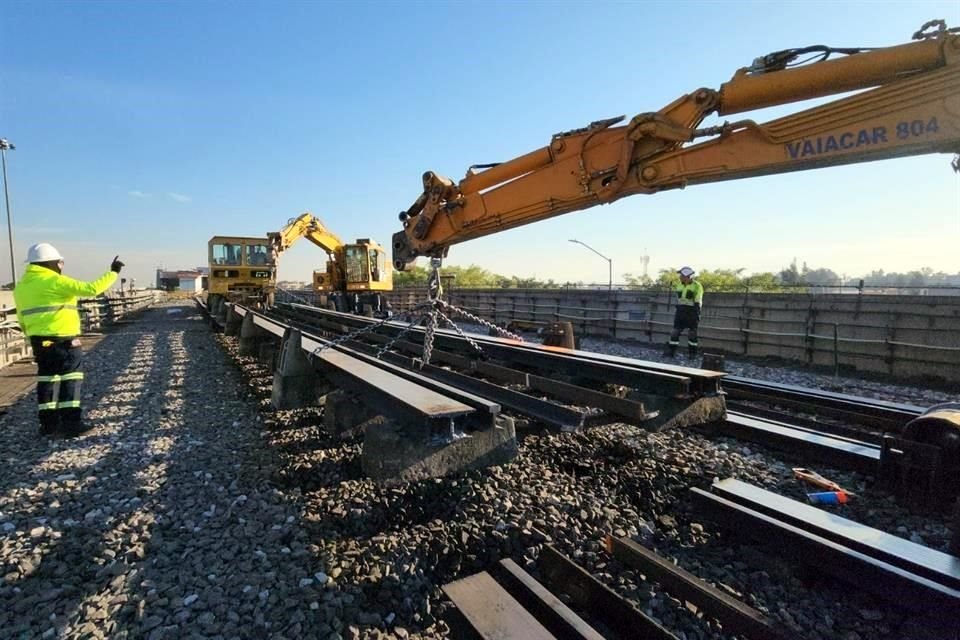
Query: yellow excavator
x: 908, y: 103
x: 244, y: 269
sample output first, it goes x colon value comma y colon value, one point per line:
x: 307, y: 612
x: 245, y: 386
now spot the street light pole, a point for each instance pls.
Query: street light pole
x: 609, y: 262
x: 6, y: 145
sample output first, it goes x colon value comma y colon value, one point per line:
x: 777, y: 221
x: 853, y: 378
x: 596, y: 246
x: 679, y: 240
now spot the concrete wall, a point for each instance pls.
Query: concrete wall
x: 901, y: 336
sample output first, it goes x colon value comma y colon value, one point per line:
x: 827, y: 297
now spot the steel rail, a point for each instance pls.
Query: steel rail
x: 940, y: 604
x: 831, y: 428
x: 645, y: 376
x: 845, y: 448
x: 916, y: 558
x: 544, y: 411
x: 890, y: 416
x: 382, y: 390
x: 827, y: 448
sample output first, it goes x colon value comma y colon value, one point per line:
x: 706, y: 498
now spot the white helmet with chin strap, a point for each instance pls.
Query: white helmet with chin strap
x: 43, y: 252
x: 686, y: 272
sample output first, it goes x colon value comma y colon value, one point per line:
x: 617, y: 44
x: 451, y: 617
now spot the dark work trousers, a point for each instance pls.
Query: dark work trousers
x: 687, y: 318
x: 59, y: 378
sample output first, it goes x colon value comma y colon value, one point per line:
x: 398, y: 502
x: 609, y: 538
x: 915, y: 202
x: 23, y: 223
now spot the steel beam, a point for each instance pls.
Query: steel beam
x: 557, y: 617
x: 541, y: 410
x: 807, y: 424
x: 736, y: 617
x: 940, y: 604
x: 675, y: 381
x: 842, y: 452
x: 589, y: 594
x: 889, y: 416
x: 916, y: 558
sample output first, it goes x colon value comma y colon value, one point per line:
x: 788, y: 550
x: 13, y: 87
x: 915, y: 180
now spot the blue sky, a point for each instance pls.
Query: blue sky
x: 145, y: 128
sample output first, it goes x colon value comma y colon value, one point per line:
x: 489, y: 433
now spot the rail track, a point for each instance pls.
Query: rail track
x: 569, y: 391
x: 853, y: 447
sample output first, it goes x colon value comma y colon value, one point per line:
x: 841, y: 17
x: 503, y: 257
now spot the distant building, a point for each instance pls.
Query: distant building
x: 194, y: 280
x: 294, y: 285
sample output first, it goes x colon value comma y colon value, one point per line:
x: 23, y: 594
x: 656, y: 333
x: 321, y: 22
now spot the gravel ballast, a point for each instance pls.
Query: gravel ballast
x: 193, y: 510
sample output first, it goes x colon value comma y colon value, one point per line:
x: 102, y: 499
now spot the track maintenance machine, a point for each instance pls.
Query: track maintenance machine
x: 906, y: 103
x: 244, y: 269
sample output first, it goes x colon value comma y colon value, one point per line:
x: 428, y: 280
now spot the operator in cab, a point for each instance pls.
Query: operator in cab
x: 687, y: 316
x: 258, y: 255
x: 46, y: 303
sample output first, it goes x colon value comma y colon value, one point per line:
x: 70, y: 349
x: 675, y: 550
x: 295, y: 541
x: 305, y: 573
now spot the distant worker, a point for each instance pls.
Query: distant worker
x: 46, y: 304
x: 689, y: 303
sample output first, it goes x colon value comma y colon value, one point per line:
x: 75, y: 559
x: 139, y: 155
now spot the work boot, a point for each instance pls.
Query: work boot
x: 692, y: 351
x: 74, y: 430
x: 49, y: 423
x: 671, y: 351
x: 71, y: 424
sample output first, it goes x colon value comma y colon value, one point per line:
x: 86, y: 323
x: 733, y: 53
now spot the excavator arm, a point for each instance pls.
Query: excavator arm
x: 908, y: 104
x: 305, y: 226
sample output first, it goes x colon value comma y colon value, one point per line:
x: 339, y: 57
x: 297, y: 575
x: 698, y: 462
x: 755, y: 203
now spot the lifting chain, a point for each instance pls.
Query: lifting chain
x: 500, y: 331
x: 470, y: 341
x: 389, y: 345
x: 356, y: 333
x: 438, y: 305
x: 434, y: 291
x: 433, y: 312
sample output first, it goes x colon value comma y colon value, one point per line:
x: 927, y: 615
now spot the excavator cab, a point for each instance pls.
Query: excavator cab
x: 367, y: 267
x: 366, y: 272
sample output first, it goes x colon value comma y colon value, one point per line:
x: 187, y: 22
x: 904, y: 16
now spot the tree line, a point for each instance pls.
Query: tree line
x: 789, y: 278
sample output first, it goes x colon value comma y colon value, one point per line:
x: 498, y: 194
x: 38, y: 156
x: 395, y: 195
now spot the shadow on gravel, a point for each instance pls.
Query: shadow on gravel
x: 68, y: 572
x: 24, y: 449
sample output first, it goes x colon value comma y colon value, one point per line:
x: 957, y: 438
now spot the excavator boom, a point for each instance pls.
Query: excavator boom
x: 908, y: 103
x: 305, y: 226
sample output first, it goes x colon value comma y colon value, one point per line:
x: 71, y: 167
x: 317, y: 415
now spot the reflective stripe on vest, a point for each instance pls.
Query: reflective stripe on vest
x: 53, y: 308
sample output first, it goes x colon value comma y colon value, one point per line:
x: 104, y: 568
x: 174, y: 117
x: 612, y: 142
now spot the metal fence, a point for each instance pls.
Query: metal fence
x: 95, y: 313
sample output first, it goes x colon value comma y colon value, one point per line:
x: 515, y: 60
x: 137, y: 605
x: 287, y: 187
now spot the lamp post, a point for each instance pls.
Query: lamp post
x: 6, y: 145
x: 609, y: 262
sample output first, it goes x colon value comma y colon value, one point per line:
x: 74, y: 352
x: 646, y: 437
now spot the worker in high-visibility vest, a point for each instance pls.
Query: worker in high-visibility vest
x: 46, y: 304
x: 687, y: 316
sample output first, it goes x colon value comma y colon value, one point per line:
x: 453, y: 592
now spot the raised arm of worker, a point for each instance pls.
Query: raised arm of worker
x: 68, y: 286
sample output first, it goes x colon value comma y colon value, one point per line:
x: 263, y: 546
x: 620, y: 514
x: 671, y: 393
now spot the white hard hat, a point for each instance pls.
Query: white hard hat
x: 687, y: 272
x: 43, y: 252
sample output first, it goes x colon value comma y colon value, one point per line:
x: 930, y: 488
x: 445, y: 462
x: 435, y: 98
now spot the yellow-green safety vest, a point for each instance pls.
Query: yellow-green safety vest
x: 47, y: 301
x: 689, y: 294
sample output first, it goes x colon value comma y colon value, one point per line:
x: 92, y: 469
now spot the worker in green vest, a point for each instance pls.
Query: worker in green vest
x: 46, y: 303
x: 687, y: 316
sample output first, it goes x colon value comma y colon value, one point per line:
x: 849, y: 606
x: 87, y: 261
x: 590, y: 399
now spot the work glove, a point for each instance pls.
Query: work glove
x: 116, y: 265
x: 696, y: 307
